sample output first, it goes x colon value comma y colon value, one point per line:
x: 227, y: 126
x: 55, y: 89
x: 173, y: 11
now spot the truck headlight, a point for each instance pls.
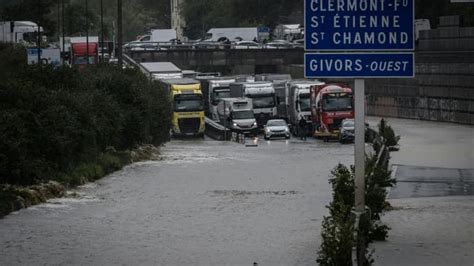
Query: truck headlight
x: 254, y: 124
x: 235, y: 124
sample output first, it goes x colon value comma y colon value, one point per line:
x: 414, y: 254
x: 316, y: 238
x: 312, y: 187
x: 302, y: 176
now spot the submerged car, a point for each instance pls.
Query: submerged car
x: 346, y: 131
x: 276, y: 128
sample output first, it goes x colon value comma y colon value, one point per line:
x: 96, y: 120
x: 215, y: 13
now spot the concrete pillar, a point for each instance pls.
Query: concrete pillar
x: 177, y: 17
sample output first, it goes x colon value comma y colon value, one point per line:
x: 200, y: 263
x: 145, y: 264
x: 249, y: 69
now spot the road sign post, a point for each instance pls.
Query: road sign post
x: 359, y: 39
x: 359, y: 144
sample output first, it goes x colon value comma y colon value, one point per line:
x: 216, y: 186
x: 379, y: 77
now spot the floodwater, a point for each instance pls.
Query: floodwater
x: 432, y: 222
x: 204, y: 203
x: 219, y: 203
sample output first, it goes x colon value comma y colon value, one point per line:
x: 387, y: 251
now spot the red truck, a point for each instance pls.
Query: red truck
x: 330, y: 104
x: 79, y: 54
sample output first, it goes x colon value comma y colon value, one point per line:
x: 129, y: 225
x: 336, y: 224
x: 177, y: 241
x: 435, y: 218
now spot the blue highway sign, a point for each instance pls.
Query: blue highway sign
x: 354, y: 25
x: 359, y: 65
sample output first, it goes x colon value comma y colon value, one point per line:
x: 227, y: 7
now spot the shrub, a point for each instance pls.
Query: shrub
x: 57, y: 123
x: 338, y: 228
x: 386, y: 131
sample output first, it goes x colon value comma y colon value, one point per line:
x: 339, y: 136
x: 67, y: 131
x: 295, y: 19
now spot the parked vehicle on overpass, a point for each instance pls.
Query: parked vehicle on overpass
x: 237, y: 114
x: 214, y: 89
x: 288, y: 32
x: 161, y: 70
x: 231, y: 34
x: 330, y: 105
x: 298, y: 43
x: 187, y: 117
x: 208, y: 45
x: 23, y: 32
x: 276, y: 128
x: 246, y: 45
x: 159, y: 35
x: 263, y: 98
x: 278, y: 44
x: 144, y: 46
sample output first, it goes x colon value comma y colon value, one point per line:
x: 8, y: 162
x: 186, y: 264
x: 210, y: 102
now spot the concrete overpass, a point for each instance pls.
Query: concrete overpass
x: 227, y: 61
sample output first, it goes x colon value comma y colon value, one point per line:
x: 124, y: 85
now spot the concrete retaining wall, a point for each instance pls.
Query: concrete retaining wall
x: 443, y: 87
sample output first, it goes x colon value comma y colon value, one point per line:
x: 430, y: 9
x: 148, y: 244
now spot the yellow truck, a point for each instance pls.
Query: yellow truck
x: 187, y: 106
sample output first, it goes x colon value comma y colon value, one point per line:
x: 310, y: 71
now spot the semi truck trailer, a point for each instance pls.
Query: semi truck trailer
x: 263, y: 98
x: 298, y: 103
x: 214, y: 89
x: 187, y: 118
x: 330, y: 105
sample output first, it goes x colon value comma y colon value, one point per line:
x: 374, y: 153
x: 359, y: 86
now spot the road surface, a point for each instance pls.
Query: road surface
x: 214, y: 203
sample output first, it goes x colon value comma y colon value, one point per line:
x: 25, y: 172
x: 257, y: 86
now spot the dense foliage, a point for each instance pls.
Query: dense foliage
x: 141, y: 15
x: 53, y: 121
x: 338, y: 228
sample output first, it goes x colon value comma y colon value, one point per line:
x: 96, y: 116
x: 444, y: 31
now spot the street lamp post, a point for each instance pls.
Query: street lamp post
x: 87, y: 33
x: 63, y: 32
x: 38, y: 42
x: 119, y: 33
x: 102, y: 29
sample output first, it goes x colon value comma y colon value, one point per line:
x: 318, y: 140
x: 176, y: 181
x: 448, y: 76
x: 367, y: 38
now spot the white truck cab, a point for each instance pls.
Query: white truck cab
x: 237, y: 114
x: 263, y: 98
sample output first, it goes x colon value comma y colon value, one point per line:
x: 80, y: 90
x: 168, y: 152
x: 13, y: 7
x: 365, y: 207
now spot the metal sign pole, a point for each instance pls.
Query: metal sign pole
x: 359, y: 147
x: 119, y: 34
x: 225, y: 123
x: 87, y: 33
x: 38, y: 42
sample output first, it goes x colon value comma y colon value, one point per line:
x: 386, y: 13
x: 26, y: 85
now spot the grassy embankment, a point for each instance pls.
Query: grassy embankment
x: 63, y: 127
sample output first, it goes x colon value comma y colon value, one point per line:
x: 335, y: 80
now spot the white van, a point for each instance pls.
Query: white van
x: 232, y: 34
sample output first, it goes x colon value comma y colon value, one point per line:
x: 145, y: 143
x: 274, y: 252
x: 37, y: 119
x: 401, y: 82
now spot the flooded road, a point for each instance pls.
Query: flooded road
x: 205, y: 203
x: 211, y: 203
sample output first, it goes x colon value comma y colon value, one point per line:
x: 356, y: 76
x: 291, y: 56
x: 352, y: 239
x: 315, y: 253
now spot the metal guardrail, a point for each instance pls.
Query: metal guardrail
x: 216, y: 130
x: 165, y: 46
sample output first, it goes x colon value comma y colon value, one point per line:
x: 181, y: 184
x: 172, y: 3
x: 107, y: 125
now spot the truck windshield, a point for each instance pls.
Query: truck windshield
x: 242, y: 115
x: 260, y: 101
x: 188, y: 103
x: 305, y: 105
x: 30, y: 37
x: 337, y: 102
x: 220, y: 93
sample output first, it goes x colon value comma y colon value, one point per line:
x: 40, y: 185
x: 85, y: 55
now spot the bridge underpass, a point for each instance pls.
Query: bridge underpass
x: 226, y: 61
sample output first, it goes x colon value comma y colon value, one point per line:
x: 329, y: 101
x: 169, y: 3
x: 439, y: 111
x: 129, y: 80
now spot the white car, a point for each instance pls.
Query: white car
x: 246, y: 45
x: 279, y: 44
x: 276, y: 128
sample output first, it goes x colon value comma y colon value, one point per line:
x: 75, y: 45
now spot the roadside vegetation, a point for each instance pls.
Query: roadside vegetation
x: 71, y: 126
x: 339, y: 233
x: 139, y: 16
